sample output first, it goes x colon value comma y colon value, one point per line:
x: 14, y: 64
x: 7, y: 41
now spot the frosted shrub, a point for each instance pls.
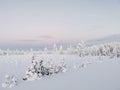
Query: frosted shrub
x: 10, y: 81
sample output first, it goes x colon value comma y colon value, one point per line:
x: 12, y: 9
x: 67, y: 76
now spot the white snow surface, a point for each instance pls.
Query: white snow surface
x: 83, y: 73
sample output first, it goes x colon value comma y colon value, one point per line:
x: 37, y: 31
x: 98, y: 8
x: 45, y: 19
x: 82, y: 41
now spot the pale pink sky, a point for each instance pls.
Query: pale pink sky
x: 31, y: 22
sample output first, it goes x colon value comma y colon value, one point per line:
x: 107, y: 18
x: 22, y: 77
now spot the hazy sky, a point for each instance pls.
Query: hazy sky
x: 44, y: 22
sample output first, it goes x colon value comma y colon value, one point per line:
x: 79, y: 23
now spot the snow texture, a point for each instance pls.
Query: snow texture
x: 83, y: 73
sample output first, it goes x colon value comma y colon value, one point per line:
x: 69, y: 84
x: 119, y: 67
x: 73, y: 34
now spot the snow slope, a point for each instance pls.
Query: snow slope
x: 98, y: 73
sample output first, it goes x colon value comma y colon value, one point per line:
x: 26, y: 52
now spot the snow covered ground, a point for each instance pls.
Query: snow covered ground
x: 83, y: 73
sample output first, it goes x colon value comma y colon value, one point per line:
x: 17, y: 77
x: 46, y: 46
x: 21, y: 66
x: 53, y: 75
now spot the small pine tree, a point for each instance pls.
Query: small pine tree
x: 32, y: 73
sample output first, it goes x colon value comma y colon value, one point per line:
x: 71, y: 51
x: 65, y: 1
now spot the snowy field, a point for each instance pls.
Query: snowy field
x: 83, y: 73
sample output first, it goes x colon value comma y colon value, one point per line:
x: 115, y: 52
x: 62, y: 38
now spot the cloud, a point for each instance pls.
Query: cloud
x: 27, y: 40
x: 37, y: 40
x: 46, y: 37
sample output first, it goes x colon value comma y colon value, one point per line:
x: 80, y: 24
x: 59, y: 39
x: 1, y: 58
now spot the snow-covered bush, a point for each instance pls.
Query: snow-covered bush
x: 37, y: 69
x: 10, y: 81
x: 62, y: 67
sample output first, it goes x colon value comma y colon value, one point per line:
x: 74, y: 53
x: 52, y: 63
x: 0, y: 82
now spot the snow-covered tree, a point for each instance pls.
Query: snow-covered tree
x: 45, y: 50
x: 1, y: 52
x: 61, y: 49
x: 71, y: 50
x: 80, y: 48
x: 32, y: 73
x: 55, y: 49
x: 108, y: 49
